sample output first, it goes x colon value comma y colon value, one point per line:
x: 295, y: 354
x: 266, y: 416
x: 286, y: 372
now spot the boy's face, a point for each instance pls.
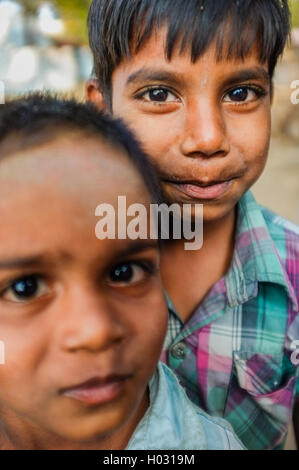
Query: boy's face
x: 82, y: 320
x: 206, y: 124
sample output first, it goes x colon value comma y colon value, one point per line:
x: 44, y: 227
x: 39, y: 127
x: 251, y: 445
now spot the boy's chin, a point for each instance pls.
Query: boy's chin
x: 84, y: 434
x: 217, y: 213
x: 213, y: 210
x: 94, y: 426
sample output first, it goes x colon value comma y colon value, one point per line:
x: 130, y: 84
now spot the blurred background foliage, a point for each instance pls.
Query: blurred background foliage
x: 74, y: 13
x: 295, y: 12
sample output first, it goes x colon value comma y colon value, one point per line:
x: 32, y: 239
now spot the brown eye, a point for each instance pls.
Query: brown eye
x: 127, y: 274
x: 239, y: 94
x: 158, y: 95
x: 244, y: 94
x: 25, y: 289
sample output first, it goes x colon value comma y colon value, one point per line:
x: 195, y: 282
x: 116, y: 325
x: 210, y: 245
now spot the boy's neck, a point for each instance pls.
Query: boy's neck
x: 189, y: 275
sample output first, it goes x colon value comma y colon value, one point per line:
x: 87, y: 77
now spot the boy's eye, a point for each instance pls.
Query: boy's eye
x: 25, y: 289
x: 158, y: 95
x: 242, y: 94
x: 128, y: 274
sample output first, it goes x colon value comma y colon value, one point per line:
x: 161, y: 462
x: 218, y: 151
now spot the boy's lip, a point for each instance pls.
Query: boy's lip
x: 97, y: 390
x: 202, y: 190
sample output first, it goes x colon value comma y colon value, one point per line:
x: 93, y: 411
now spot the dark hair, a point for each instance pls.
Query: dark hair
x: 36, y: 119
x: 119, y: 28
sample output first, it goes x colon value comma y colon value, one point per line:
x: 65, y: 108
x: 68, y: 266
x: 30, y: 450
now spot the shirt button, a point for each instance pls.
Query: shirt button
x: 179, y: 351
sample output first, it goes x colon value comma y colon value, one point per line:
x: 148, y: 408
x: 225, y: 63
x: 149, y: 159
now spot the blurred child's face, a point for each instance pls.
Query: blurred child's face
x: 205, y: 124
x: 83, y: 320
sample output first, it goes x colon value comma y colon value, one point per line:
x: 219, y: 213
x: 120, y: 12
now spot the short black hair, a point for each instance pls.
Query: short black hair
x: 37, y: 118
x: 119, y: 28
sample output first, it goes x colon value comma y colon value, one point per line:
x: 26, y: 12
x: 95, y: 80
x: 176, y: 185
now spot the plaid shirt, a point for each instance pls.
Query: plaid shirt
x: 234, y: 355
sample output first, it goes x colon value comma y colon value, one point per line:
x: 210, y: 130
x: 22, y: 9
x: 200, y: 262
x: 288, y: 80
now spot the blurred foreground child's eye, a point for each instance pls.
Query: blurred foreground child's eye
x: 128, y: 273
x: 25, y: 288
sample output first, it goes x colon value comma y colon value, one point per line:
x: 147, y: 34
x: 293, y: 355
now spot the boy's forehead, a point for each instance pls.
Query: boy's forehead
x: 66, y: 152
x: 152, y: 57
x: 52, y: 192
x: 71, y: 166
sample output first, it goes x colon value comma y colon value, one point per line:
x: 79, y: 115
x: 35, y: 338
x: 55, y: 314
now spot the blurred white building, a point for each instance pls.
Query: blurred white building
x: 29, y: 58
x: 11, y: 24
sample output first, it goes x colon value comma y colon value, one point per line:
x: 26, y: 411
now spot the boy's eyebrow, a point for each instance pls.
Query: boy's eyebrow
x: 26, y: 262
x: 137, y: 247
x: 41, y: 260
x: 147, y: 74
x: 253, y: 73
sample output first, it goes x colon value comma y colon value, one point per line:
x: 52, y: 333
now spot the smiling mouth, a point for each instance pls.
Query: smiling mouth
x: 202, y: 191
x: 97, y: 391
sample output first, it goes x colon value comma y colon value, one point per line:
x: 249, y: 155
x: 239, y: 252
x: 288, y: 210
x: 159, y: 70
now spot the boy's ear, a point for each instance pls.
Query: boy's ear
x: 95, y: 95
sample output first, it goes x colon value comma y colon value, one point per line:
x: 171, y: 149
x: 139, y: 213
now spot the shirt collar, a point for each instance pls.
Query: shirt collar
x: 255, y: 256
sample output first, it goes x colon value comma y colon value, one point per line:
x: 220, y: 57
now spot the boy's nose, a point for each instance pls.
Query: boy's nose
x: 205, y: 133
x: 89, y: 322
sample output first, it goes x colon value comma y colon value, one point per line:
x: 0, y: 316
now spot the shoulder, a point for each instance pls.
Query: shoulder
x: 280, y: 228
x: 218, y: 433
x: 285, y: 236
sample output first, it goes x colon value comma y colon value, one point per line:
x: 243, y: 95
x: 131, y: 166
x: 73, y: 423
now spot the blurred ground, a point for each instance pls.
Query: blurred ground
x: 278, y: 187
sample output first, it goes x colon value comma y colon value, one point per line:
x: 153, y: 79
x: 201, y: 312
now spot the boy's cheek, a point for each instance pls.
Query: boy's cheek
x: 256, y: 159
x: 15, y: 397
x: 156, y: 317
x: 153, y: 327
x: 157, y: 132
x: 23, y: 355
x: 252, y: 140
